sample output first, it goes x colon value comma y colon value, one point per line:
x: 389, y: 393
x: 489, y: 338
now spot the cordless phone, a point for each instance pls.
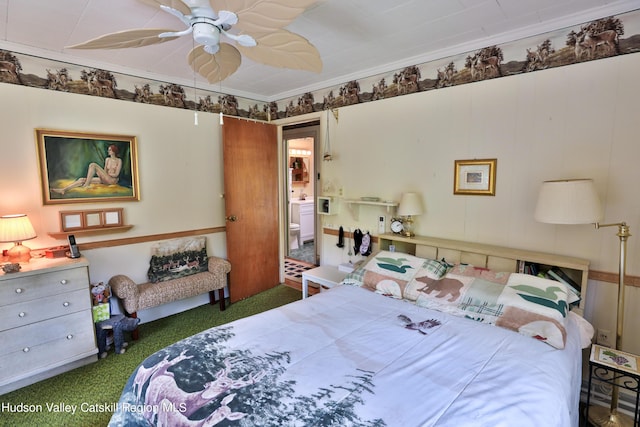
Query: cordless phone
x: 74, y: 252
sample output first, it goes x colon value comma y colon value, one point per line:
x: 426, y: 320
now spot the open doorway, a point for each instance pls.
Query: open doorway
x: 300, y: 142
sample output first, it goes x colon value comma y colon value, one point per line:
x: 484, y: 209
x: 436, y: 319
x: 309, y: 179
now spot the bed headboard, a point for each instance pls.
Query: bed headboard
x: 498, y: 258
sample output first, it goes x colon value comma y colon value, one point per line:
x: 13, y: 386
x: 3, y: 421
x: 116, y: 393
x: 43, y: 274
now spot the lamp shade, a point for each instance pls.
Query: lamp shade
x: 410, y: 204
x: 16, y: 228
x: 573, y: 201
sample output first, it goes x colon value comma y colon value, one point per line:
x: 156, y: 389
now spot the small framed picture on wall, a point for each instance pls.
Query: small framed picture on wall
x: 475, y: 177
x: 92, y: 219
x: 71, y: 220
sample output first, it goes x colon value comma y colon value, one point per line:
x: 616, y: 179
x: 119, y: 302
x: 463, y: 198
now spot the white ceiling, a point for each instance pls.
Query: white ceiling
x: 355, y: 38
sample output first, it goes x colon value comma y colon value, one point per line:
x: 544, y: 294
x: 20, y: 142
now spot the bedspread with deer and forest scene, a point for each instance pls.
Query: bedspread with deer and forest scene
x: 352, y: 357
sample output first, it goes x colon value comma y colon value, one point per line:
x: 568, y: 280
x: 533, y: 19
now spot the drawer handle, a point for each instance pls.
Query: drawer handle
x: 26, y: 349
x: 65, y: 304
x: 63, y: 281
x: 69, y: 337
x: 18, y: 290
x: 22, y: 314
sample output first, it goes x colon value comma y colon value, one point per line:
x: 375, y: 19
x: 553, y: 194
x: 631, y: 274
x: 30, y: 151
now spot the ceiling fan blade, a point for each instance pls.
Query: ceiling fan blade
x: 196, y: 3
x: 215, y: 68
x: 284, y: 49
x: 128, y: 38
x: 174, y: 4
x: 226, y: 18
x: 174, y: 34
x: 175, y: 12
x: 261, y: 16
x: 243, y: 39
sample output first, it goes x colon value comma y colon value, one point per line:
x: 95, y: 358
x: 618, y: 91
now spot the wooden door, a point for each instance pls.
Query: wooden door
x: 250, y: 151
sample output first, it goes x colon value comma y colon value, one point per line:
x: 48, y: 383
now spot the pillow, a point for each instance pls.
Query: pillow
x: 585, y: 329
x: 430, y: 271
x: 176, y: 258
x: 529, y: 305
x: 536, y: 307
x: 462, y: 289
x: 469, y: 270
x: 354, y: 278
x: 386, y: 273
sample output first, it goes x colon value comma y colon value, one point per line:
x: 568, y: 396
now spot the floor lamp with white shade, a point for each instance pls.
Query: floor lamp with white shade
x: 576, y: 201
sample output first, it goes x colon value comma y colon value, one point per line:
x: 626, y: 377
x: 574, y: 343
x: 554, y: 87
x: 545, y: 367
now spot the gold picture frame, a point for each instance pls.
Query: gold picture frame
x: 475, y: 177
x: 82, y: 167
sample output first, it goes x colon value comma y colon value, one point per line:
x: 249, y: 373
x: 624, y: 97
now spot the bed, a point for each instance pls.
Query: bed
x: 367, y: 354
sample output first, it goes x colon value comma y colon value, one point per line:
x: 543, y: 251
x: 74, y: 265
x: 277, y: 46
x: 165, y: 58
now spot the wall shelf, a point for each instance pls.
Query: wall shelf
x: 326, y: 206
x: 61, y: 235
x: 354, y: 206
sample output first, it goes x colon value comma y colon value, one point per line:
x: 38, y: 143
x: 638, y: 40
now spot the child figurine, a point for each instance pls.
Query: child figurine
x: 118, y: 324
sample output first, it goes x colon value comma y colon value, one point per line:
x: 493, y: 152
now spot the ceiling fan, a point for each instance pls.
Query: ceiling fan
x: 257, y: 27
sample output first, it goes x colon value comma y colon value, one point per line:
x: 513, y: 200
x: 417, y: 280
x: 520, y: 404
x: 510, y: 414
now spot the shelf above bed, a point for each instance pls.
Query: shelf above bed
x: 354, y: 205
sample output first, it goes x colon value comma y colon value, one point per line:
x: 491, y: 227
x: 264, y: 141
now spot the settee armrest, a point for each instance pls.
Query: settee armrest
x: 219, y: 265
x: 123, y: 287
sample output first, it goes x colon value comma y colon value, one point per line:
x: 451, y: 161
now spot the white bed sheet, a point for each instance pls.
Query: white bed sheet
x: 461, y: 373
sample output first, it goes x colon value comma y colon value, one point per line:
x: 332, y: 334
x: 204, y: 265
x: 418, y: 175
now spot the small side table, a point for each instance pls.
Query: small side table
x: 617, y: 368
x: 325, y: 275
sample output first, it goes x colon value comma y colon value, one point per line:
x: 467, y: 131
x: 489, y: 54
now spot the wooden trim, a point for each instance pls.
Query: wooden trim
x: 603, y: 276
x: 149, y: 238
x: 349, y: 234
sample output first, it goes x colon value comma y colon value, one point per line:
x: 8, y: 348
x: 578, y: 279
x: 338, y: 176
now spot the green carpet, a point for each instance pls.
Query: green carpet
x: 94, y: 389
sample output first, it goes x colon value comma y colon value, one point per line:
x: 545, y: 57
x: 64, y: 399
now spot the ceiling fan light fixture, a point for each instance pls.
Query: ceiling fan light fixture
x: 205, y: 33
x: 211, y: 49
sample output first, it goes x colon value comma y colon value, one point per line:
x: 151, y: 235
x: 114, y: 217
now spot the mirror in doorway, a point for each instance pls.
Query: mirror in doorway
x: 299, y: 170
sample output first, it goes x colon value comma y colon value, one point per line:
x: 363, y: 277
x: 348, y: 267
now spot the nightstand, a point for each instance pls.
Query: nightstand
x: 617, y: 368
x: 325, y: 275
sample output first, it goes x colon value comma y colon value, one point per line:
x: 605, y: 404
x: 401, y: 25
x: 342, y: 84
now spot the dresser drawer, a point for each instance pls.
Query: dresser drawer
x: 46, y: 324
x: 68, y: 335
x: 27, y: 312
x: 58, y: 350
x: 34, y: 286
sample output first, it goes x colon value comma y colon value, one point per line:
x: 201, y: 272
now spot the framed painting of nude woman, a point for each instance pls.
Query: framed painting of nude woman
x: 77, y: 167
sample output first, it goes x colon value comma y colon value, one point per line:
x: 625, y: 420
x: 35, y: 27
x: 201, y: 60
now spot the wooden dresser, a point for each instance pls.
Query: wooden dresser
x: 46, y: 325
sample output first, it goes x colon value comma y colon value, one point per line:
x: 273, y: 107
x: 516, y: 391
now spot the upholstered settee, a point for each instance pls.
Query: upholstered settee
x: 136, y: 297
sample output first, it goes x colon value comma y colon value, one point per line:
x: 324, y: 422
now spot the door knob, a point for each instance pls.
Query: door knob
x: 232, y: 218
